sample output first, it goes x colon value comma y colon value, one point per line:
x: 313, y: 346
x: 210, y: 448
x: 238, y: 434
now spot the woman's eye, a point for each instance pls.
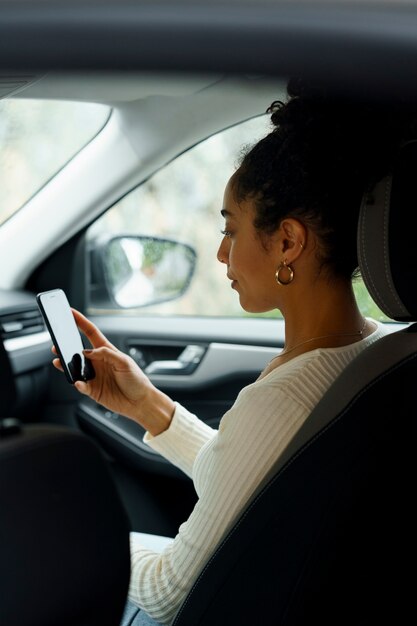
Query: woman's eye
x: 226, y: 233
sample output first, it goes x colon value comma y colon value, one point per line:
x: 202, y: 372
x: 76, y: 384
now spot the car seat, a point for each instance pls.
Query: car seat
x: 64, y: 535
x: 329, y: 537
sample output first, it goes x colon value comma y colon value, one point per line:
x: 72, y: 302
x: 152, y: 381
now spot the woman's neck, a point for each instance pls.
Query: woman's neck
x: 329, y: 318
x: 327, y: 310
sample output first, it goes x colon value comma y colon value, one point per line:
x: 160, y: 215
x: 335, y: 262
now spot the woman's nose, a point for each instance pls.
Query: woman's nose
x: 222, y: 254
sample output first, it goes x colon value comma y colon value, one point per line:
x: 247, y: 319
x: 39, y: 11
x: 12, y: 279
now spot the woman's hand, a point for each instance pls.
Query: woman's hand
x: 119, y: 383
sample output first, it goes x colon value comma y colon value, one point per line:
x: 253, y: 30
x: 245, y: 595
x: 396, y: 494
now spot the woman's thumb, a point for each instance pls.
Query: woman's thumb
x: 81, y: 387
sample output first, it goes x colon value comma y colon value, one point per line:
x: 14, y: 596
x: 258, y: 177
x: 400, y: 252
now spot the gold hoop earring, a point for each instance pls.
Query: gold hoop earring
x: 284, y: 266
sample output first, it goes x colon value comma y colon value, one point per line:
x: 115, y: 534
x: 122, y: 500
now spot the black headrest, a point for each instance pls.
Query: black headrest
x: 387, y: 238
x: 64, y: 535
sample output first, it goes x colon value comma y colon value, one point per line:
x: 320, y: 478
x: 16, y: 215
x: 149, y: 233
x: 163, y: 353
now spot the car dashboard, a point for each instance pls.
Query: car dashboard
x: 25, y: 353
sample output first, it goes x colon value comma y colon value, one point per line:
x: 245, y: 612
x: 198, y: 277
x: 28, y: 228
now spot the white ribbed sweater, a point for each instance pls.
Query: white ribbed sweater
x: 227, y: 465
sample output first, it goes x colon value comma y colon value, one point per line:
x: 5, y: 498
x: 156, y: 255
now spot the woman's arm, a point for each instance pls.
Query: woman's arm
x: 121, y: 386
x: 183, y: 440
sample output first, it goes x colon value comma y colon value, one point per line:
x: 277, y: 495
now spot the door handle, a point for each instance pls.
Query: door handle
x: 186, y: 363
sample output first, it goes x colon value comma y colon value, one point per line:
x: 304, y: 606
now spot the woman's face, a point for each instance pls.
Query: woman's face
x: 251, y: 262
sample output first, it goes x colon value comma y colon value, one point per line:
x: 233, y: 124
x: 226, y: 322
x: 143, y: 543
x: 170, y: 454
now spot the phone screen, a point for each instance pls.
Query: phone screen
x: 65, y: 335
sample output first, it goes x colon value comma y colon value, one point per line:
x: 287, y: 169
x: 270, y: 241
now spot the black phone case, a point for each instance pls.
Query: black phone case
x: 89, y: 369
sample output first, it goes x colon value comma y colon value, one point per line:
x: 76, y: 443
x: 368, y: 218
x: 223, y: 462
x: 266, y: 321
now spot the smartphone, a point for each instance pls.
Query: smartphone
x: 66, y: 337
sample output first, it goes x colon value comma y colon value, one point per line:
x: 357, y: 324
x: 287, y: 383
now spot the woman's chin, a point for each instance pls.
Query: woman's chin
x: 253, y: 308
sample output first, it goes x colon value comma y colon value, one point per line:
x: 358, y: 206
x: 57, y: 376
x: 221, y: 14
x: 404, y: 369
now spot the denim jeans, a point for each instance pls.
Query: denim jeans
x: 134, y: 616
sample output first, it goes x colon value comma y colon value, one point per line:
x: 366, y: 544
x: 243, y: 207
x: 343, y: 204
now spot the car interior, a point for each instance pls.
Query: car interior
x: 329, y: 535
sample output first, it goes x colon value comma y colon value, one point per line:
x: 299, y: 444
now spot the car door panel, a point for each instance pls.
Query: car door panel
x: 233, y: 354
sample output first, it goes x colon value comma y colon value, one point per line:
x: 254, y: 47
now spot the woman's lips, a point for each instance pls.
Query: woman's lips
x: 234, y: 282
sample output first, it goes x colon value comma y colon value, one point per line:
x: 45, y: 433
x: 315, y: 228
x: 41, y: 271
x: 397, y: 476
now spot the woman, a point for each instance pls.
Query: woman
x: 289, y: 243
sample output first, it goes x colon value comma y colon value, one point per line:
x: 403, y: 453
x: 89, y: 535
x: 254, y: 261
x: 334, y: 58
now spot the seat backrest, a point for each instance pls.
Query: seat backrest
x: 64, y: 535
x: 329, y: 535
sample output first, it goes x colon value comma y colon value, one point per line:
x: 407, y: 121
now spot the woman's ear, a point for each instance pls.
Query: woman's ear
x: 293, y: 238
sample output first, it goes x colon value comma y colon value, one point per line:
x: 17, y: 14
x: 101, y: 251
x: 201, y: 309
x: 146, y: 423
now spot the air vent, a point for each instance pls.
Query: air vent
x: 21, y: 323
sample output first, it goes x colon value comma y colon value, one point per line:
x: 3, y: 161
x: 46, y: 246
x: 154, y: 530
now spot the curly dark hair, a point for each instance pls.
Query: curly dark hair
x: 323, y: 154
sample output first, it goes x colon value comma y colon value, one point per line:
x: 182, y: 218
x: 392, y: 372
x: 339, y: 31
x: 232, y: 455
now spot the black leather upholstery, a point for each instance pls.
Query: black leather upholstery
x: 324, y: 541
x: 387, y: 238
x: 64, y: 535
x: 330, y: 535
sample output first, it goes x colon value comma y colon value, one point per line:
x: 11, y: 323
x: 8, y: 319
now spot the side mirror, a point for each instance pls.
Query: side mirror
x: 133, y: 271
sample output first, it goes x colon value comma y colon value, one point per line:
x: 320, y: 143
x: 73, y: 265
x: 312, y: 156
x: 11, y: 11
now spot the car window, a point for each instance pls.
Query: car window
x: 37, y: 137
x: 182, y: 202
